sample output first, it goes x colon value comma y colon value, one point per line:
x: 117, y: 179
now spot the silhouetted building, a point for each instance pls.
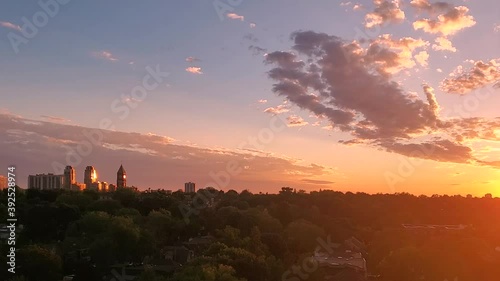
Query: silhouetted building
x: 121, y: 178
x: 69, y: 177
x: 46, y: 181
x: 3, y: 182
x: 90, y: 176
x: 189, y: 187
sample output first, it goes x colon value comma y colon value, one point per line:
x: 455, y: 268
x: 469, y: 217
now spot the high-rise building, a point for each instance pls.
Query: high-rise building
x: 121, y: 178
x: 90, y: 176
x: 189, y: 187
x: 3, y: 182
x: 69, y: 177
x: 46, y: 181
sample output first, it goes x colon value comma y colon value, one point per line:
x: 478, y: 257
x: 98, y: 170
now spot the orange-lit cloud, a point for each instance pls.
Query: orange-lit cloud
x: 105, y: 55
x: 192, y: 59
x: 422, y: 58
x: 194, y: 70
x: 443, y: 44
x: 282, y: 108
x: 449, y: 20
x: 235, y: 16
x: 10, y: 25
x: 296, y: 121
x: 481, y: 74
x: 55, y: 119
x: 385, y: 12
x: 394, y: 55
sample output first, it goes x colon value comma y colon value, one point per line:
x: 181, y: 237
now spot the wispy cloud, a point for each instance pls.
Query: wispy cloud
x: 262, y: 101
x: 192, y: 59
x: 252, y: 25
x: 481, y: 74
x: 55, y: 119
x: 147, y: 156
x: 296, y: 121
x: 282, y: 108
x: 194, y: 70
x: 449, y: 19
x: 235, y: 16
x: 443, y: 44
x: 10, y: 25
x: 105, y: 55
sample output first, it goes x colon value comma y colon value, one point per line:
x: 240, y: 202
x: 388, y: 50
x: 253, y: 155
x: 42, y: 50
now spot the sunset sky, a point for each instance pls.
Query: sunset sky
x: 370, y: 95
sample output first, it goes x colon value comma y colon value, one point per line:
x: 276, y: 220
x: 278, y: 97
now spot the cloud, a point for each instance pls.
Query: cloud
x: 321, y: 182
x: 385, y: 12
x: 282, y: 108
x: 422, y: 58
x: 433, y: 8
x: 443, y: 44
x: 357, y: 7
x: 296, y: 121
x: 252, y: 25
x: 351, y: 88
x: 192, y: 59
x: 194, y: 70
x: 449, y: 19
x: 481, y: 74
x: 496, y: 28
x: 256, y: 50
x: 262, y: 101
x: 35, y: 147
x: 234, y: 16
x: 10, y: 25
x: 431, y: 98
x: 105, y: 55
x: 394, y: 55
x: 55, y: 119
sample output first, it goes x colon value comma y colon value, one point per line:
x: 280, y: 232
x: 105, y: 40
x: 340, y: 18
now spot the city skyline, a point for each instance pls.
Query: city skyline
x: 362, y: 96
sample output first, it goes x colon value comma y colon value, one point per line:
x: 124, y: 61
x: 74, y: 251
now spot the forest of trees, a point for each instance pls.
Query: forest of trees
x: 231, y: 236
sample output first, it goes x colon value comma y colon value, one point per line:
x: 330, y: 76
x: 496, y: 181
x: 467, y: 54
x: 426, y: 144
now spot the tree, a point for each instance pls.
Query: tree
x: 40, y: 263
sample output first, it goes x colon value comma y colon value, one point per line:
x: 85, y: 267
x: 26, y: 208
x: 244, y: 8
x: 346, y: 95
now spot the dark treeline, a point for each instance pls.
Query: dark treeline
x: 229, y: 236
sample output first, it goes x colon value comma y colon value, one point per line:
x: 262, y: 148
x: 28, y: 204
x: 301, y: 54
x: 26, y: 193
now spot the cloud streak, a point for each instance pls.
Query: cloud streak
x: 478, y: 76
x: 35, y: 145
x: 104, y: 55
x: 10, y: 25
x: 194, y: 70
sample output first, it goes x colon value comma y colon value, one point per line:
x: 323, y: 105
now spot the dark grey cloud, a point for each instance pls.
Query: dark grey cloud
x: 347, y: 84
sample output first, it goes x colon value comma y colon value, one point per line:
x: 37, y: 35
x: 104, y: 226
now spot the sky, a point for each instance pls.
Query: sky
x: 368, y: 96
